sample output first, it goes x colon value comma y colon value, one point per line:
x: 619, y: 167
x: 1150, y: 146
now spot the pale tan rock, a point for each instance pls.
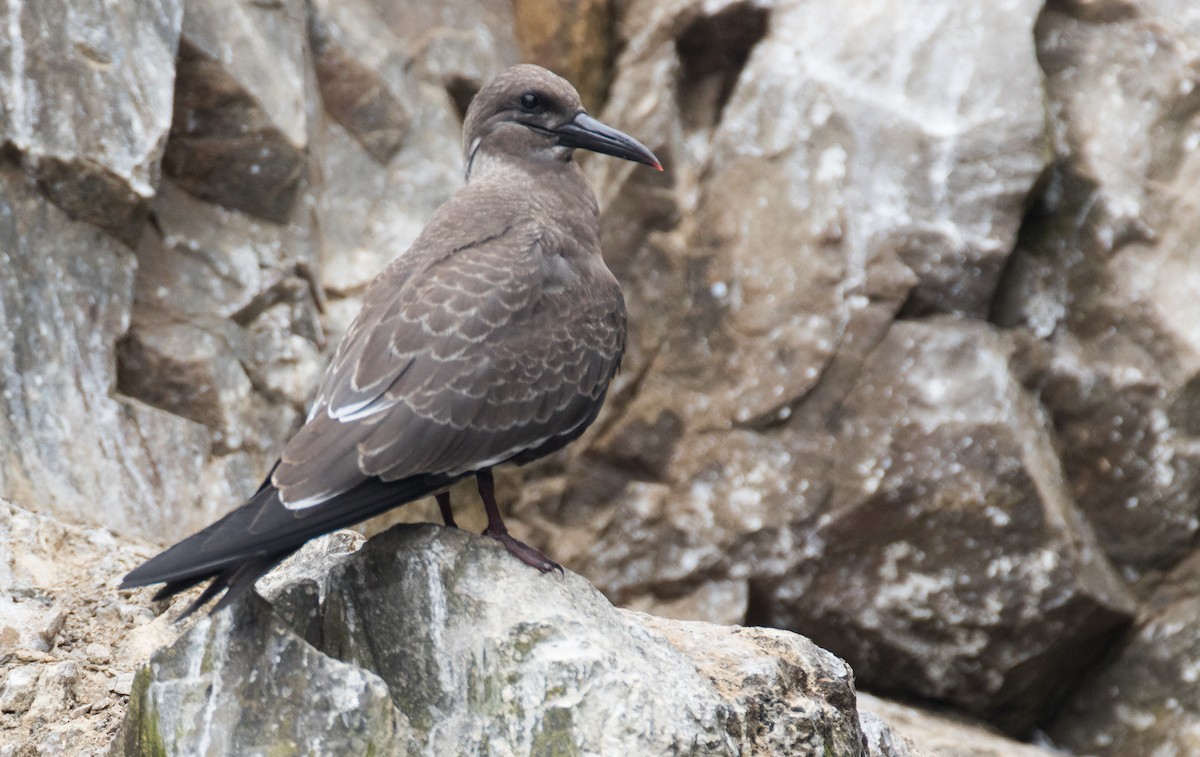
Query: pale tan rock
x: 941, y: 735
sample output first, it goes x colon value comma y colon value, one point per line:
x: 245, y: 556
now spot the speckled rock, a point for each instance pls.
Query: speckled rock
x: 950, y: 560
x: 800, y: 214
x: 225, y: 329
x: 1147, y: 700
x: 239, y: 129
x: 1106, y: 272
x: 439, y: 642
x: 242, y: 682
x: 63, y: 693
x: 85, y: 99
x: 66, y: 292
x: 898, y: 729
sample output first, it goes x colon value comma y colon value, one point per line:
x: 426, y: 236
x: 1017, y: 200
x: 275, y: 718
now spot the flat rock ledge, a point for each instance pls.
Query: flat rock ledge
x: 434, y: 641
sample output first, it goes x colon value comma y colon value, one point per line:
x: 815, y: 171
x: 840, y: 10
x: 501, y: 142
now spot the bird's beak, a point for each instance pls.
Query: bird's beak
x: 587, y: 133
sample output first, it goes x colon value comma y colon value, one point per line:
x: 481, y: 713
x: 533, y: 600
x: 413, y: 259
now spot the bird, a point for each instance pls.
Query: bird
x: 491, y: 340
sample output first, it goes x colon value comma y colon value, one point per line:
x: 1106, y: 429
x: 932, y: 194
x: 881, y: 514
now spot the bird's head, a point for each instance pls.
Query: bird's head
x: 529, y: 113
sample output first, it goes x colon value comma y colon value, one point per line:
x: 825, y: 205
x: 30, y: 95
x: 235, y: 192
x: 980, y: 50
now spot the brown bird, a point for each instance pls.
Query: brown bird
x: 492, y: 340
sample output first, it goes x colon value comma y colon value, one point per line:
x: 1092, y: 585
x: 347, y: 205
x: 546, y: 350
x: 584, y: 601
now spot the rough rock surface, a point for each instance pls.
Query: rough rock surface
x: 85, y: 99
x: 70, y: 446
x: 1147, y: 700
x: 770, y: 259
x: 432, y: 641
x: 239, y: 128
x: 892, y: 727
x: 69, y: 643
x: 1106, y: 272
x: 953, y: 527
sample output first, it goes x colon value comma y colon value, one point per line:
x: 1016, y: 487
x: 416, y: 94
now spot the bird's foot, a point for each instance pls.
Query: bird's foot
x: 529, y: 555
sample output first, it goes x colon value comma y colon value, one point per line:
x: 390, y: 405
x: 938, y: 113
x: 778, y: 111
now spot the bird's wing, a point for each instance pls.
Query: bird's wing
x: 475, y: 358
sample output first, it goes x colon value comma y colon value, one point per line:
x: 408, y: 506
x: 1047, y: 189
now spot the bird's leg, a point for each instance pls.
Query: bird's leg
x: 443, y: 501
x: 498, y: 531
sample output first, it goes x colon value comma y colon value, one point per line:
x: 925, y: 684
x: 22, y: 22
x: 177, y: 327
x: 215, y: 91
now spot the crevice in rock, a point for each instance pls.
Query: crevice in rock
x: 462, y: 91
x: 1040, y: 209
x: 712, y: 51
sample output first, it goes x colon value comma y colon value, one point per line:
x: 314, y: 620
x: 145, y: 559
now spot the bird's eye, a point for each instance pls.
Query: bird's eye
x: 530, y: 101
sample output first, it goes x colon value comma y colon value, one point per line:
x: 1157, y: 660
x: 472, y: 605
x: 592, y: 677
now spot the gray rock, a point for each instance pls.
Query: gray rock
x: 447, y: 645
x: 61, y: 701
x: 241, y: 682
x: 893, y: 728
x: 951, y: 561
x: 239, y: 128
x: 20, y: 686
x: 361, y: 80
x: 788, y: 695
x: 29, y: 623
x: 433, y: 58
x: 1105, y: 273
x: 70, y: 446
x: 56, y: 691
x: 823, y: 177
x: 1147, y: 699
x: 85, y: 98
x: 225, y: 330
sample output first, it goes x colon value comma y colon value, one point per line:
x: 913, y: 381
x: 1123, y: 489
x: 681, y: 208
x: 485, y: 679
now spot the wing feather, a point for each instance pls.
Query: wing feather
x: 458, y: 361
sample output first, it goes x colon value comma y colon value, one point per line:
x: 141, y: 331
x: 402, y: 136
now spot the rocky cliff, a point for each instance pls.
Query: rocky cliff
x: 914, y: 368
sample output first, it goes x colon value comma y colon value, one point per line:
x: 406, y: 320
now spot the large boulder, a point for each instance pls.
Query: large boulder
x: 433, y: 641
x: 951, y: 561
x: 1105, y: 273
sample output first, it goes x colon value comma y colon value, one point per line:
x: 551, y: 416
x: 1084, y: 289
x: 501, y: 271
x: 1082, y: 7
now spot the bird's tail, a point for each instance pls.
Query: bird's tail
x: 248, y: 542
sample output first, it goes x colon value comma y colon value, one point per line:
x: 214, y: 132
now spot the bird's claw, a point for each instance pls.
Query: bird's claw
x: 529, y: 555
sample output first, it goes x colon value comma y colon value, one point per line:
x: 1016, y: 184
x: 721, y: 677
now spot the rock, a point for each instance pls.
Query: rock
x: 951, y: 562
x: 811, y: 197
x: 883, y: 740
x: 267, y: 689
x: 87, y: 97
x: 61, y: 701
x: 769, y: 678
x: 458, y: 43
x: 368, y: 103
x: 443, y: 643
x: 1147, y: 699
x: 224, y: 329
x: 574, y: 39
x: 239, y: 128
x: 98, y: 654
x: 71, y: 446
x: 1105, y: 273
x: 56, y: 692
x: 434, y: 59
x: 938, y: 735
x: 20, y: 686
x: 30, y: 624
x: 380, y: 172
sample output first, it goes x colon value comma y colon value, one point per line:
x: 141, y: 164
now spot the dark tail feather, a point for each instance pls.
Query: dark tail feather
x: 248, y: 542
x: 235, y: 582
